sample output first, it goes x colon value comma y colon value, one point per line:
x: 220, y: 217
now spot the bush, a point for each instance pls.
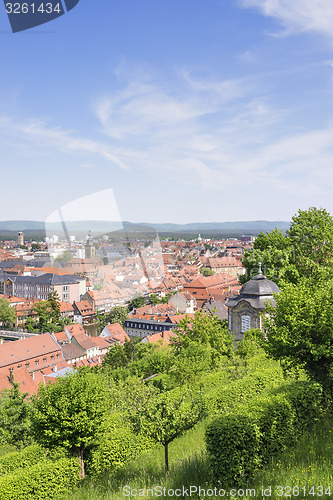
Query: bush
x: 233, y: 445
x: 20, y: 459
x: 242, y: 391
x: 115, y: 446
x: 276, y: 418
x: 46, y: 480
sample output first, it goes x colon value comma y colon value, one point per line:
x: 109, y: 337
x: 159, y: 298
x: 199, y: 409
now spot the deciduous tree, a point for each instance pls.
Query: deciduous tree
x: 70, y: 412
x: 7, y: 314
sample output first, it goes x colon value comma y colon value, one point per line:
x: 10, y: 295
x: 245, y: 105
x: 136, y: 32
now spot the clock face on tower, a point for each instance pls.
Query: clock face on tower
x: 25, y: 15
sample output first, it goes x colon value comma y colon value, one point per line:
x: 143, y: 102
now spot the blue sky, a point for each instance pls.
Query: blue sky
x: 189, y: 110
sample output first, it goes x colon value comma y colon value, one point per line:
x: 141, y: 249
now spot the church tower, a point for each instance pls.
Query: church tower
x: 90, y: 250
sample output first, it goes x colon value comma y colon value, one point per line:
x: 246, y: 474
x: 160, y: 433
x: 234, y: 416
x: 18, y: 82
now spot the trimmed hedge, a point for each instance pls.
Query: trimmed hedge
x: 46, y: 480
x: 243, y: 390
x: 247, y: 436
x: 20, y: 459
x: 116, y: 445
x: 233, y: 446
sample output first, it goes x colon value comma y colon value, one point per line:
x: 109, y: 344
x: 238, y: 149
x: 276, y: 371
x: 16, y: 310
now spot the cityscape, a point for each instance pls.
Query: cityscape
x: 166, y: 249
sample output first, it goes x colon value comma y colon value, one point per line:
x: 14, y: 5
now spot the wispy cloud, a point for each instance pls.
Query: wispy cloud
x: 38, y: 131
x: 298, y: 15
x: 219, y: 134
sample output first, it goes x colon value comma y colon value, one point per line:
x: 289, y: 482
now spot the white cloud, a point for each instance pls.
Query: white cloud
x: 221, y: 135
x: 298, y: 15
x: 43, y: 136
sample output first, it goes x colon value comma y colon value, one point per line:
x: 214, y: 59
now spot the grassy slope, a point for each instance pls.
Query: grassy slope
x: 308, y: 464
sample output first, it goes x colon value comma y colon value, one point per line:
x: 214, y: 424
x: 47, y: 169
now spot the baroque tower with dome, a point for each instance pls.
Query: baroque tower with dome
x: 245, y: 309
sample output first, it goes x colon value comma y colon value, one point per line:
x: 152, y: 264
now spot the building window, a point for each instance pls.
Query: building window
x: 44, y: 359
x: 52, y: 358
x: 27, y: 365
x: 246, y: 323
x: 37, y: 362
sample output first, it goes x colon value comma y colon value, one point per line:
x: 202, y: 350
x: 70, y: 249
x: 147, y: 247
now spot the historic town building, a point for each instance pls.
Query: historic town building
x: 245, y: 309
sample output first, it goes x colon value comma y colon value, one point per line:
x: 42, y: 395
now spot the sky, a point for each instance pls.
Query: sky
x: 184, y: 110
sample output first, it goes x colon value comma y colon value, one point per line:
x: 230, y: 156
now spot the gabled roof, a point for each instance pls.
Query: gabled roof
x: 72, y: 351
x: 74, y: 329
x: 25, y: 349
x: 83, y: 341
x: 116, y: 332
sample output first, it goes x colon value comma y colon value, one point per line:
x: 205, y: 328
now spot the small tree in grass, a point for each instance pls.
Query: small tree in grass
x: 70, y: 412
x: 168, y: 415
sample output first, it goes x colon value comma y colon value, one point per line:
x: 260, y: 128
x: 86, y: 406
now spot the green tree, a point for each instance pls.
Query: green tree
x: 168, y: 415
x: 307, y: 248
x: 118, y: 314
x: 14, y: 418
x: 274, y: 251
x: 204, y: 329
x: 43, y: 311
x: 70, y: 412
x: 200, y: 344
x: 311, y: 238
x: 53, y: 301
x: 7, y: 314
x: 299, y: 329
x: 206, y: 271
x: 153, y: 299
x: 136, y: 303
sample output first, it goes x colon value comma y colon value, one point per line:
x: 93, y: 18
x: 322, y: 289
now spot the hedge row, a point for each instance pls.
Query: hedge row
x: 243, y: 390
x: 115, y: 446
x: 20, y: 459
x: 45, y: 480
x: 246, y: 437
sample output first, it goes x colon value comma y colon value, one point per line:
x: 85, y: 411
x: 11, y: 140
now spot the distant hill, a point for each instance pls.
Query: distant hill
x: 101, y: 227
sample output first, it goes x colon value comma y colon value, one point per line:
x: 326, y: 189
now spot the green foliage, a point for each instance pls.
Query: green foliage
x: 299, y: 329
x: 48, y: 312
x: 169, y: 414
x: 20, y: 459
x: 311, y: 237
x: 233, y: 446
x: 259, y: 429
x: 276, y: 255
x: 252, y: 343
x: 7, y: 314
x: 136, y: 303
x: 242, y: 391
x: 14, y: 418
x: 118, y: 314
x: 205, y: 330
x: 116, y: 444
x: 206, y: 271
x: 45, y: 480
x: 70, y: 412
x: 53, y: 301
x: 307, y: 248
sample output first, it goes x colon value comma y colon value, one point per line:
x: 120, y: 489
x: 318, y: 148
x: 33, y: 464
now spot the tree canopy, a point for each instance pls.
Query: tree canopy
x: 299, y: 329
x: 7, y: 313
x: 306, y: 248
x: 69, y: 412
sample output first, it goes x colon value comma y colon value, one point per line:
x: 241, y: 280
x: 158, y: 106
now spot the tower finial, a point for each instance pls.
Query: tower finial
x: 259, y: 269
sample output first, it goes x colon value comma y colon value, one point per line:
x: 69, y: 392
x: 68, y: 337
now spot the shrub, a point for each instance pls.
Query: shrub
x: 45, y: 480
x: 233, y: 445
x: 243, y: 390
x: 276, y: 418
x: 20, y: 459
x: 115, y: 446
